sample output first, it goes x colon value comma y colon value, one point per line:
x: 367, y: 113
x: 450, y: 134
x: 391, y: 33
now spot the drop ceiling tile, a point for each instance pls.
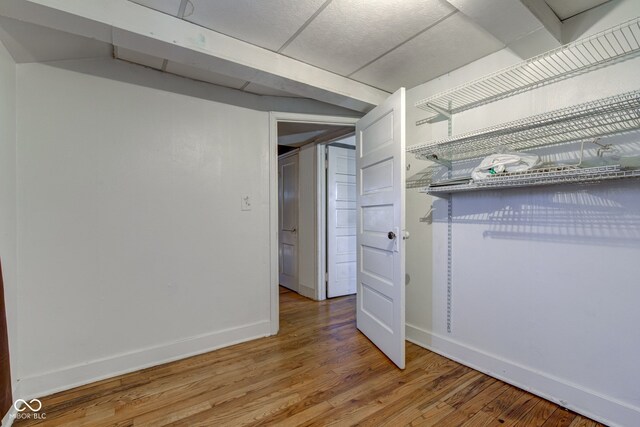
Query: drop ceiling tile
x: 170, y: 7
x: 264, y: 90
x: 566, y: 9
x: 350, y: 33
x: 204, y: 75
x: 268, y: 24
x: 449, y: 45
x: 139, y: 58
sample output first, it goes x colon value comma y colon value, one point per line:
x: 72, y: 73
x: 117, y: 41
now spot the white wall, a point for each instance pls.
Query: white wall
x: 418, y: 253
x: 307, y: 244
x: 8, y: 242
x: 544, y: 279
x: 133, y: 249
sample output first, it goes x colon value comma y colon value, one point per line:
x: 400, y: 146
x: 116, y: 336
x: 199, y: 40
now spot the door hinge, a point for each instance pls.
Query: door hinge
x: 326, y: 157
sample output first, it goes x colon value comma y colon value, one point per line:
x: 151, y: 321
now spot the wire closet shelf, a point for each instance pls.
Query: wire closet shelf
x: 422, y: 178
x: 608, y: 116
x: 572, y: 58
x: 547, y: 176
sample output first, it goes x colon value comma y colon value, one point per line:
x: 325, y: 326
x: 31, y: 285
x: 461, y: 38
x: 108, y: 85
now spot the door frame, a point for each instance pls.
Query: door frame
x: 322, y: 174
x: 274, y: 118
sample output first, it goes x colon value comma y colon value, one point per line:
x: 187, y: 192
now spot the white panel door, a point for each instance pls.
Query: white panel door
x: 380, y: 175
x: 288, y: 221
x: 341, y: 221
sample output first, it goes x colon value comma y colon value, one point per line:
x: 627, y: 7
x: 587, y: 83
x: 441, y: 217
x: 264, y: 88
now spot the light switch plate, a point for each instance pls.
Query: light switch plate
x: 245, y: 203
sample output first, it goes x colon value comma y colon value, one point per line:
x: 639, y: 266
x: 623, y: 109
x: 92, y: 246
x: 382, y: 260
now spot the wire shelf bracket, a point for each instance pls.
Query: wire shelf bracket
x: 438, y: 114
x: 570, y: 59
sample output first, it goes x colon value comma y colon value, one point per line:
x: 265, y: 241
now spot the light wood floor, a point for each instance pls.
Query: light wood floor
x: 318, y: 371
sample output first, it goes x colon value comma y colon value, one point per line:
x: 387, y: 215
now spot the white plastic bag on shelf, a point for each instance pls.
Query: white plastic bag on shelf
x: 505, y: 162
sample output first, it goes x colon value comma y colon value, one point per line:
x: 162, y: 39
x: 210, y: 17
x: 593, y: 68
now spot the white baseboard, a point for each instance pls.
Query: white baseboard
x: 583, y: 401
x: 10, y: 416
x: 74, y: 376
x: 7, y: 421
x: 306, y: 291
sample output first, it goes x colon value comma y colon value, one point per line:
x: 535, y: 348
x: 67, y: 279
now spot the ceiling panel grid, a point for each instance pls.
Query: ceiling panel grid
x: 376, y: 42
x: 349, y: 34
x: 454, y: 42
x: 267, y: 24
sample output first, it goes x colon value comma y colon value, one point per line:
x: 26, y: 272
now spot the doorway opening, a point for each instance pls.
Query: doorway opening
x: 380, y: 215
x: 316, y: 209
x: 300, y: 250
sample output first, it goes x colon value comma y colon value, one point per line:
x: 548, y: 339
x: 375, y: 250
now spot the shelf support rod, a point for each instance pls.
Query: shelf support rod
x: 449, y: 233
x: 440, y: 111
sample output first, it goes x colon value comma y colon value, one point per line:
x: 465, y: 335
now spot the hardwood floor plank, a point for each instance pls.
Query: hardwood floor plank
x: 469, y: 401
x: 581, y: 421
x: 463, y: 396
x: 560, y: 418
x: 537, y: 416
x: 518, y: 409
x: 433, y: 415
x: 368, y: 402
x: 481, y: 419
x: 503, y: 402
x: 318, y: 371
x: 394, y: 409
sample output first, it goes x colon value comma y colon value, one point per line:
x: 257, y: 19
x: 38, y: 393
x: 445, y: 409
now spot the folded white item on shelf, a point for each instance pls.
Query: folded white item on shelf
x: 504, y: 162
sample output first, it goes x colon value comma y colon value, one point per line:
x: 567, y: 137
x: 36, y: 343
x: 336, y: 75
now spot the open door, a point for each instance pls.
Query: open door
x: 341, y: 221
x: 288, y: 220
x: 380, y: 207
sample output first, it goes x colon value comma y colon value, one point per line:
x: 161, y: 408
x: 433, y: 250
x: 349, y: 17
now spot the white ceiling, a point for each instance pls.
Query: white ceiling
x: 565, y: 9
x: 507, y: 20
x: 33, y: 43
x: 349, y: 34
x: 267, y: 24
x: 347, y: 52
x: 385, y: 44
x: 264, y: 90
x: 138, y: 58
x: 451, y: 44
x: 296, y: 134
x: 208, y: 76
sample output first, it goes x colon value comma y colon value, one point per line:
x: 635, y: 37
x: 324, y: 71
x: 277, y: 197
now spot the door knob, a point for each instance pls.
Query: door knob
x: 391, y: 235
